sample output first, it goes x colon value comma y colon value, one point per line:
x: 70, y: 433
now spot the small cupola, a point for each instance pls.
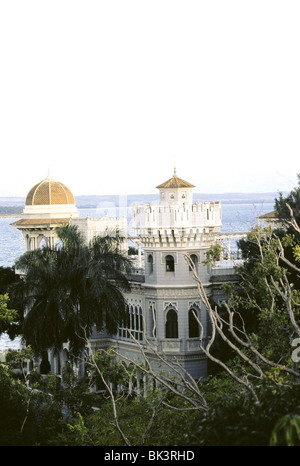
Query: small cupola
x: 176, y: 191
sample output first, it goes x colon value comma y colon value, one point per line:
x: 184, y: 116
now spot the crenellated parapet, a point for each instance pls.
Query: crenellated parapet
x: 175, y: 225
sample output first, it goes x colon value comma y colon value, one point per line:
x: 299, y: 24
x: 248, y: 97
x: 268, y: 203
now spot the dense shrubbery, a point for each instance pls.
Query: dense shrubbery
x: 55, y: 415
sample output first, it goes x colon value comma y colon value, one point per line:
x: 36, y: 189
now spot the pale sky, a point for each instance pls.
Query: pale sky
x: 112, y: 94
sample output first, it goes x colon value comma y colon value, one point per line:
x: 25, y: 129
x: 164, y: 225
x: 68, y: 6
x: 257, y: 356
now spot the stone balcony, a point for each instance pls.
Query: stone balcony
x: 171, y: 345
x: 178, y: 345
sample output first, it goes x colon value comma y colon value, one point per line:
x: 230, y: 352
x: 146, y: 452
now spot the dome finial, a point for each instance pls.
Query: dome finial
x: 48, y: 176
x: 175, y: 172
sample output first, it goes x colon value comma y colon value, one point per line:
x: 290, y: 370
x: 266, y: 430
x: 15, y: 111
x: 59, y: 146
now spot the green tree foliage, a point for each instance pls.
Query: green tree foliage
x: 77, y: 432
x: 7, y: 316
x: 169, y: 426
x: 29, y: 413
x: 267, y: 276
x: 8, y: 281
x: 234, y: 420
x: 231, y: 418
x: 104, y: 365
x: 287, y: 431
x: 13, y: 395
x: 74, y: 393
x: 285, y: 205
x: 70, y: 289
x: 213, y: 254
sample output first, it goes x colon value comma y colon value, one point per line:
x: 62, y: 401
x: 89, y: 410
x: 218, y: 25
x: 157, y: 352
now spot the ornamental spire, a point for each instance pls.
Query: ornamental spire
x: 48, y: 176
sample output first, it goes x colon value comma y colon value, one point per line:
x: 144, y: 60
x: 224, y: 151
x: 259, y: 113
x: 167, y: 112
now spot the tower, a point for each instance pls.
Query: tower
x: 168, y: 231
x: 48, y: 204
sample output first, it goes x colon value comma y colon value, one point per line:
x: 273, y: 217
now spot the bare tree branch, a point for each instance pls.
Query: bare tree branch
x: 111, y: 394
x: 184, y: 384
x: 217, y: 324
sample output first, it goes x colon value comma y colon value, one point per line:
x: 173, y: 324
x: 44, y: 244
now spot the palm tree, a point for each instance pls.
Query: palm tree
x: 71, y: 289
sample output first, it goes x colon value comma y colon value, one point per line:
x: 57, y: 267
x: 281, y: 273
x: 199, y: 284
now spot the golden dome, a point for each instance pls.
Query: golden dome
x: 49, y: 192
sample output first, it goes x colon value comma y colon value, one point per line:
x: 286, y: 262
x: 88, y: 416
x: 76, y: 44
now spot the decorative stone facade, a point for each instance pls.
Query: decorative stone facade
x: 163, y: 301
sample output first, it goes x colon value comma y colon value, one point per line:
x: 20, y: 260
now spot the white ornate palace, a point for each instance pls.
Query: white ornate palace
x: 164, y: 296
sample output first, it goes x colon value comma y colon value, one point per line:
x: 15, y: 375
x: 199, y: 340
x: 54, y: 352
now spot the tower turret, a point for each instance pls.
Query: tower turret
x: 168, y: 231
x: 48, y: 204
x: 176, y: 191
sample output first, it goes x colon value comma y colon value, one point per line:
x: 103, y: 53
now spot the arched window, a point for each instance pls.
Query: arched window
x: 171, y: 324
x: 152, y: 321
x: 138, y: 323
x: 132, y: 324
x: 193, y: 324
x: 170, y: 263
x: 194, y: 259
x: 150, y: 262
x: 141, y: 325
x: 45, y: 364
x: 131, y: 319
x: 43, y: 243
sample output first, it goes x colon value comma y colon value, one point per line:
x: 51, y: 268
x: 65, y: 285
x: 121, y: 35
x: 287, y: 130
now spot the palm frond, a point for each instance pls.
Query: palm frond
x: 72, y: 288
